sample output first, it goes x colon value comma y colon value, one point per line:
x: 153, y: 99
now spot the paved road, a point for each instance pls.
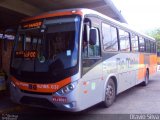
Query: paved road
x: 137, y: 100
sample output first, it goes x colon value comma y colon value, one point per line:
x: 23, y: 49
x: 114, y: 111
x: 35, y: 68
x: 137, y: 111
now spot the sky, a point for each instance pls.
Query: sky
x: 142, y: 15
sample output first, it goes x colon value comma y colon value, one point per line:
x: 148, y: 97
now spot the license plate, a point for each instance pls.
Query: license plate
x: 60, y: 99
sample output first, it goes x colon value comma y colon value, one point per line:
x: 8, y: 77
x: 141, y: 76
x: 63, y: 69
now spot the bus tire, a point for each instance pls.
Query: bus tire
x: 146, y: 81
x: 110, y: 93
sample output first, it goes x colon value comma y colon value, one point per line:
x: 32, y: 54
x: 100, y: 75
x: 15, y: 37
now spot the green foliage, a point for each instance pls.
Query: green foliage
x: 155, y: 34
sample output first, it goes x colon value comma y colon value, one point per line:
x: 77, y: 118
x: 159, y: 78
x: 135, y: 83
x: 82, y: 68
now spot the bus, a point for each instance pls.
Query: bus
x: 72, y: 59
x: 158, y: 60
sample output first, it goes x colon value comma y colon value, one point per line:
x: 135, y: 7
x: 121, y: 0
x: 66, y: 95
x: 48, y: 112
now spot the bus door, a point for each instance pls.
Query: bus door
x: 158, y: 61
x: 91, y: 62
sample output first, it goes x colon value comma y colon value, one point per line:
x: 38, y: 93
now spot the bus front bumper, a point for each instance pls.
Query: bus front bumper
x: 52, y: 101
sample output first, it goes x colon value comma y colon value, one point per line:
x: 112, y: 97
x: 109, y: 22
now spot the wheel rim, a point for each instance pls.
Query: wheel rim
x: 109, y: 93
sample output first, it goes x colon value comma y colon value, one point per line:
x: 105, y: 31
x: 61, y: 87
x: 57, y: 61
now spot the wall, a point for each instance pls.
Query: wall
x: 0, y: 54
x: 6, y: 55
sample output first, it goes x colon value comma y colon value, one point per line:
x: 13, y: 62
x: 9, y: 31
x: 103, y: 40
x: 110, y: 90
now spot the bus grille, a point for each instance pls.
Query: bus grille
x: 37, y: 101
x: 36, y: 93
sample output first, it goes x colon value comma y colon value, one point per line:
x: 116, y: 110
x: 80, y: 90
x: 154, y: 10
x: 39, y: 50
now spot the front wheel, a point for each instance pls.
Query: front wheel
x: 110, y: 93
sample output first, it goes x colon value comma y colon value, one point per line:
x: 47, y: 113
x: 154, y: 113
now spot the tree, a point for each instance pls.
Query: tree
x: 155, y: 34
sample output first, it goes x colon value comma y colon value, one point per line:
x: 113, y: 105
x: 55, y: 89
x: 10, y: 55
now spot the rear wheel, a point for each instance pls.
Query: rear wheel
x: 110, y: 93
x: 145, y: 83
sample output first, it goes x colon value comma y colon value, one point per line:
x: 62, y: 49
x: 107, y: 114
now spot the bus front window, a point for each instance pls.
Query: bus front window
x: 56, y: 49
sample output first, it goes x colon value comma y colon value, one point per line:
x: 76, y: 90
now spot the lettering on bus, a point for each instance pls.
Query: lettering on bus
x: 26, y: 54
x: 31, y: 25
x: 41, y: 86
x: 32, y: 86
x: 54, y: 87
x: 125, y: 63
x: 120, y: 64
x: 110, y: 66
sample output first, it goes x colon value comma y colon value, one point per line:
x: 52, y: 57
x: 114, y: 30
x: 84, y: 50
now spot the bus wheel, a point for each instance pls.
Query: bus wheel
x: 145, y: 83
x: 110, y: 93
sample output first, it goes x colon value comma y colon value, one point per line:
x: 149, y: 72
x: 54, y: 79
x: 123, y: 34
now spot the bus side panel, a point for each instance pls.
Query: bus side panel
x: 143, y: 61
x: 127, y: 70
x: 153, y: 64
x: 146, y: 61
x: 124, y: 66
x: 90, y: 87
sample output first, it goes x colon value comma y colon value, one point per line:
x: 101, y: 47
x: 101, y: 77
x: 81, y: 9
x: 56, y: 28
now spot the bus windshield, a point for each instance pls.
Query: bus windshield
x: 50, y: 50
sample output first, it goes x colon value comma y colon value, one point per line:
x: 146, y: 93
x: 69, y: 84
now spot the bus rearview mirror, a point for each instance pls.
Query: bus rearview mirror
x: 93, y: 36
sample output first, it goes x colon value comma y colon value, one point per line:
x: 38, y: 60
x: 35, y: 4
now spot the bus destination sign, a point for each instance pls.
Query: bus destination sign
x: 26, y: 54
x: 31, y: 25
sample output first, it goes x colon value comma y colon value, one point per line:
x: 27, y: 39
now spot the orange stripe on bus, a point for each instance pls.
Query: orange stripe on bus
x: 158, y: 60
x: 54, y: 14
x: 141, y: 71
x: 141, y: 59
x: 153, y: 63
x: 153, y: 59
x: 44, y: 88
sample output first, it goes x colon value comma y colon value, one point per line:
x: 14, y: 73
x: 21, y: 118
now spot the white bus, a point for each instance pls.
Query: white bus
x: 73, y: 59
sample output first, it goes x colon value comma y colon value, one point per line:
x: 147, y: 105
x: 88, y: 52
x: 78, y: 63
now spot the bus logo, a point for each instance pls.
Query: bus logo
x: 32, y: 87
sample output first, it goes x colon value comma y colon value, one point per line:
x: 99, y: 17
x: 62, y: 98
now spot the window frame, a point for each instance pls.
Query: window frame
x: 143, y: 44
x: 132, y: 40
x: 147, y: 45
x: 111, y: 26
x: 129, y: 40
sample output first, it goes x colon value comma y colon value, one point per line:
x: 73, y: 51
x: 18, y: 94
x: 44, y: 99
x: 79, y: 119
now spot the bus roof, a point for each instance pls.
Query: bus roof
x: 64, y: 12
x: 83, y: 12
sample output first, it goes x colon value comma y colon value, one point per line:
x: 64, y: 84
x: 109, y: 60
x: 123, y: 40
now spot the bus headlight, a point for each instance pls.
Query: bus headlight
x: 13, y: 84
x: 68, y: 88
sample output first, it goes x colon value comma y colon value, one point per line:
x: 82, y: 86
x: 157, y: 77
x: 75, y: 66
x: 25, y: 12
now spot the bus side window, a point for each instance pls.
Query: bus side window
x: 134, y: 43
x: 152, y: 47
x: 90, y: 52
x: 109, y: 34
x: 147, y: 46
x: 141, y: 44
x: 155, y: 48
x: 124, y: 40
